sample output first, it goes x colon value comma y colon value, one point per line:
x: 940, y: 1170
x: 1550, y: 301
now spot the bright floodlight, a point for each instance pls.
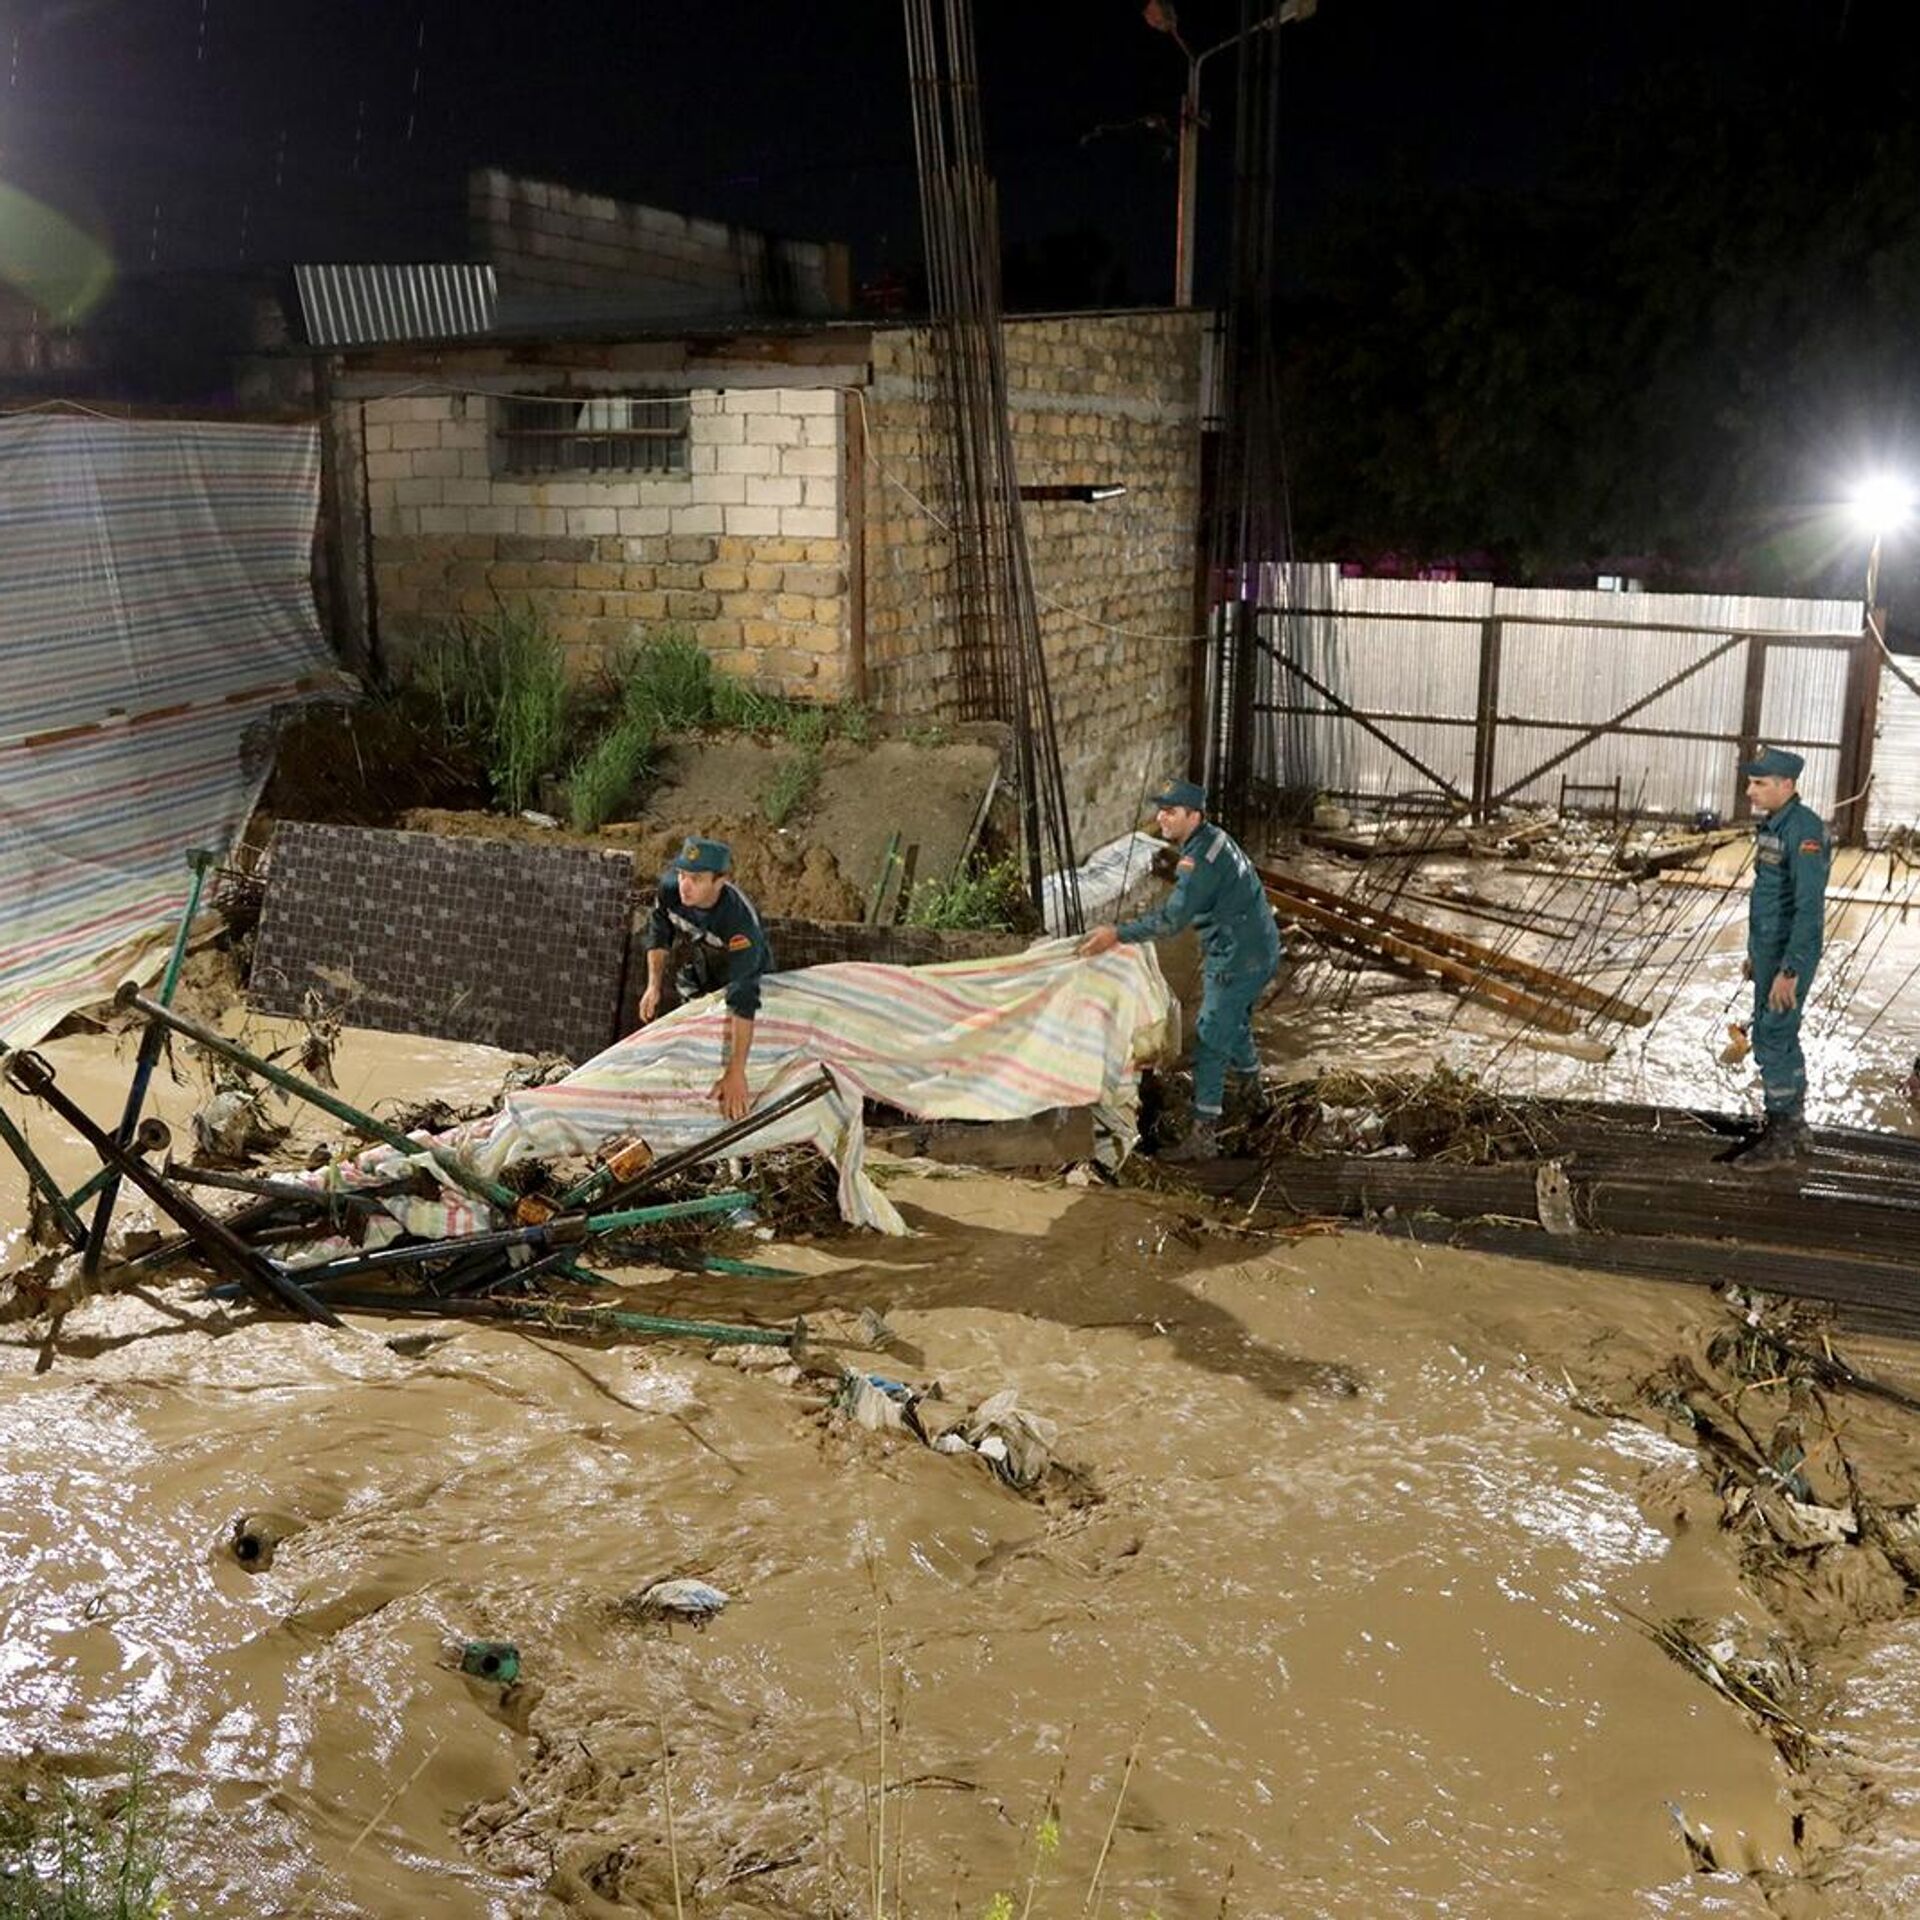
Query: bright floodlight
x: 1882, y: 503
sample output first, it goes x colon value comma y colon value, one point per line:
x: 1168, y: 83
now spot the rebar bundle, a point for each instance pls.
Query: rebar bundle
x: 1002, y: 664
x: 1250, y: 520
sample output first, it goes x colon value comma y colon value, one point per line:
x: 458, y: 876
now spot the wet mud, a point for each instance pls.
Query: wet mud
x: 1336, y: 1613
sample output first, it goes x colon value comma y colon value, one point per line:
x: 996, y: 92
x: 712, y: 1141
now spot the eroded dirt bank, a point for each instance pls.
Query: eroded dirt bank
x: 1350, y: 1566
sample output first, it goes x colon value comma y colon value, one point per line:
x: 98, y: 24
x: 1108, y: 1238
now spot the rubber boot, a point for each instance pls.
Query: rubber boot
x: 1201, y: 1143
x: 1782, y: 1142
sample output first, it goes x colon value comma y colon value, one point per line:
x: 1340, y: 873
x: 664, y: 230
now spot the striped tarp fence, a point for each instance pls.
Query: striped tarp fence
x: 156, y: 607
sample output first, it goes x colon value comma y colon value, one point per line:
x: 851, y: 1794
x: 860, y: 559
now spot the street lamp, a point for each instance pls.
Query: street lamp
x: 1160, y: 15
x: 1880, y: 505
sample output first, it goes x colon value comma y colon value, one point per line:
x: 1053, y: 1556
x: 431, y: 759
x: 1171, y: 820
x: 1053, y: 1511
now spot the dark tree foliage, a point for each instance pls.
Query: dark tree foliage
x: 1674, y: 360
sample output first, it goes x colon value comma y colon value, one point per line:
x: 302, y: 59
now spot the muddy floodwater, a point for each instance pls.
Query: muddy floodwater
x: 1334, y: 1614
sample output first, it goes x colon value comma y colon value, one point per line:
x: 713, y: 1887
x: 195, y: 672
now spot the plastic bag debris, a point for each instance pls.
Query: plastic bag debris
x: 1025, y: 1441
x: 679, y: 1600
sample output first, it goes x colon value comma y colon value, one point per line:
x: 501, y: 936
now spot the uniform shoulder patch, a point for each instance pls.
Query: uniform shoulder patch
x: 739, y: 943
x: 1184, y: 866
x: 1811, y: 846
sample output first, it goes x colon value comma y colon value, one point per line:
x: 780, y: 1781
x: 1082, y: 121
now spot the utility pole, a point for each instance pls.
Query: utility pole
x: 1160, y: 15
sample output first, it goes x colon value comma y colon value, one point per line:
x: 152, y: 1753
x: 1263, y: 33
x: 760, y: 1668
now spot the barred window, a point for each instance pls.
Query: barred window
x: 603, y: 433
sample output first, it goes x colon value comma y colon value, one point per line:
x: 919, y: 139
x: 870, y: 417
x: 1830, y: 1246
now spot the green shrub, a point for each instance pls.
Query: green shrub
x: 986, y: 895
x: 606, y: 774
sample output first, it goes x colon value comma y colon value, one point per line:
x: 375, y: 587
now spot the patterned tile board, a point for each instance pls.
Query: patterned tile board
x: 517, y: 946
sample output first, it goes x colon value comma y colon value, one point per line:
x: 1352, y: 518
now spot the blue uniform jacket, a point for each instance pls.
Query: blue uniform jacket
x: 1218, y: 894
x: 729, y: 946
x: 1784, y: 918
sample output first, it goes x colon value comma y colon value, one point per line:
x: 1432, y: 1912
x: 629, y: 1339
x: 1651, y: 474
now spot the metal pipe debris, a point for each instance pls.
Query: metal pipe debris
x: 450, y: 1164
x: 200, y: 862
x: 31, y: 1073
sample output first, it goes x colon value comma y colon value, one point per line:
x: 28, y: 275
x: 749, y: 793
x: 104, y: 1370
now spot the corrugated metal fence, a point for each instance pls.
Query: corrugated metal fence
x: 1490, y: 696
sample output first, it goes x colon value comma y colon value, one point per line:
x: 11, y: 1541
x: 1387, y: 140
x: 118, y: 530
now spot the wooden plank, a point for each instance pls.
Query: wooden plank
x: 1475, y: 981
x: 1287, y: 888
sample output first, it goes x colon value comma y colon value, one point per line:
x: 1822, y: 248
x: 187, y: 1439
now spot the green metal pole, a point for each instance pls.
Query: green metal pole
x: 200, y: 862
x: 580, y: 1319
x: 43, y: 1181
x: 455, y: 1169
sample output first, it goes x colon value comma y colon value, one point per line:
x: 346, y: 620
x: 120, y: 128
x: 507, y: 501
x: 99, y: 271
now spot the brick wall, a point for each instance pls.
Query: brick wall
x: 1096, y: 399
x: 747, y: 548
x: 540, y: 236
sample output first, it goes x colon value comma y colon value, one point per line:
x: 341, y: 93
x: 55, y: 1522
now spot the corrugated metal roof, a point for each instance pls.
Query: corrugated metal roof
x: 347, y: 306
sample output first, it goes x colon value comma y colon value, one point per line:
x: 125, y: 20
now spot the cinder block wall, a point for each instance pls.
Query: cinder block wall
x: 747, y: 549
x: 1096, y: 399
x: 539, y: 235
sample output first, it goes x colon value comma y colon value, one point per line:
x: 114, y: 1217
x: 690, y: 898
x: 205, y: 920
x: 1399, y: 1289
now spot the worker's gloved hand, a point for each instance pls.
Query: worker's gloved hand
x: 649, y: 1004
x: 1784, y: 995
x: 1098, y: 941
x: 730, y: 1090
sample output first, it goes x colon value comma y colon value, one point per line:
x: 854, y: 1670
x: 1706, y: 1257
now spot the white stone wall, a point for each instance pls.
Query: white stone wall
x: 748, y: 547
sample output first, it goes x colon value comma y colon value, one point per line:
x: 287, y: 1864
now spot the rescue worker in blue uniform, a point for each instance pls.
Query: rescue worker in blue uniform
x: 1218, y: 894
x: 1785, y: 920
x: 726, y: 949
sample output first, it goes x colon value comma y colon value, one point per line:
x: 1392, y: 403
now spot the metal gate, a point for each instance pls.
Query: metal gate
x: 1498, y: 696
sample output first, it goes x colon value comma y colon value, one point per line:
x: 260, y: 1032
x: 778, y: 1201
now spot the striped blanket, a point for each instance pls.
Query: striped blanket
x: 993, y: 1039
x: 155, y: 609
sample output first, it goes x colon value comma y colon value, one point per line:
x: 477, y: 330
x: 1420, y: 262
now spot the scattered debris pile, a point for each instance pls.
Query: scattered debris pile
x: 1631, y: 1189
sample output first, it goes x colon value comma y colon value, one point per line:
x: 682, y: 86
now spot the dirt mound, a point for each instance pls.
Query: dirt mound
x: 775, y: 867
x: 363, y: 766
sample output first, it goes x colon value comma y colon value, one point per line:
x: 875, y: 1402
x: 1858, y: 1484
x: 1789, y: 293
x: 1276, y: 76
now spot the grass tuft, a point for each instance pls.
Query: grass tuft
x: 605, y: 775
x: 66, y: 1854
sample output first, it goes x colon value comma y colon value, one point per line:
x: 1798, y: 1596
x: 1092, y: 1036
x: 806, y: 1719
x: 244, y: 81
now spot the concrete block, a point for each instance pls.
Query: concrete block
x: 822, y: 493
x: 721, y: 489
x: 818, y: 463
x: 751, y: 520
x: 415, y: 436
x: 639, y: 522
x: 721, y: 429
x: 810, y: 400
x: 773, y: 430
x: 806, y: 523
x: 441, y: 519
x: 435, y: 463
x: 771, y: 492
x: 419, y: 493
x: 755, y: 459
x: 588, y: 522
x: 691, y: 519
x: 383, y: 467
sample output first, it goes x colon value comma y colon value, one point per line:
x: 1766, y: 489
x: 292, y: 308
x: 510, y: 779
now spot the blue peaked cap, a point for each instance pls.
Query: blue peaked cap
x: 1182, y: 793
x: 1773, y: 763
x: 704, y: 856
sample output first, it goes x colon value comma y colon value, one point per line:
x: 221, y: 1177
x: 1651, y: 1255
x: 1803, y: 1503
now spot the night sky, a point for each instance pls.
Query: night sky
x: 1567, y: 283
x: 215, y: 132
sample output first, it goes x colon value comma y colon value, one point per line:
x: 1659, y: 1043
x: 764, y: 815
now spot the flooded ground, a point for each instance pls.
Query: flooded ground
x: 1673, y: 945
x: 1336, y: 1619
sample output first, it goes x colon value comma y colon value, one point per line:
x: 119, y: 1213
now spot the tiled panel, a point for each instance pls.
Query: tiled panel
x: 515, y: 946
